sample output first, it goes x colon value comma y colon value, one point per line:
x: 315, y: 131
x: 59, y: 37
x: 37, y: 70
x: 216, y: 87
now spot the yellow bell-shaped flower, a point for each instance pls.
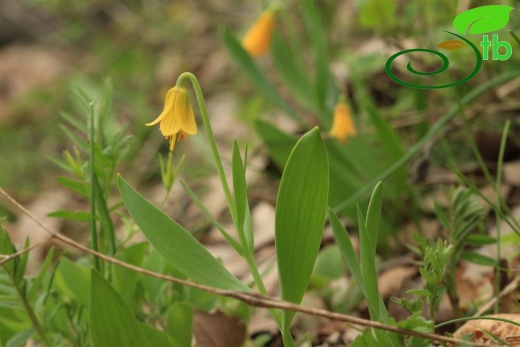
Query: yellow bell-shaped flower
x: 257, y: 39
x: 177, y: 118
x: 342, y: 126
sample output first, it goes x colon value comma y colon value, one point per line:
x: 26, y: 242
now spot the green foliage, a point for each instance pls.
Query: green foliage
x: 175, y: 243
x: 364, y: 270
x: 69, y: 303
x: 300, y: 216
x: 112, y: 323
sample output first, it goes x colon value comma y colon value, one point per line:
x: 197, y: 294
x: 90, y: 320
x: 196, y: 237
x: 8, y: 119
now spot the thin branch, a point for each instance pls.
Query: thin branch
x: 4, y: 258
x: 251, y: 299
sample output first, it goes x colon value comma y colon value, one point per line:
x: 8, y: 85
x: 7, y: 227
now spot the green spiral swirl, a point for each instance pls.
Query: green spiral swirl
x: 445, y: 64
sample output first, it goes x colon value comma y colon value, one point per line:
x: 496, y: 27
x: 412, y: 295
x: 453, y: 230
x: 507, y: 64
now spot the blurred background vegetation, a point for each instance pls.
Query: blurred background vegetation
x: 51, y: 47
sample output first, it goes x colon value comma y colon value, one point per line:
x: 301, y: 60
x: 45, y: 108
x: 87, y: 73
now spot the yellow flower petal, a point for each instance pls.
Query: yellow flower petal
x: 257, y: 39
x: 184, y: 113
x: 168, y: 104
x: 177, y: 118
x: 343, y: 126
x: 170, y: 124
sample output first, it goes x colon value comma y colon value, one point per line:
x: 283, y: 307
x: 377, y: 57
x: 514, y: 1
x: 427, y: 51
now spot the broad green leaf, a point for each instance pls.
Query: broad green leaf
x: 368, y: 268
x: 79, y: 216
x: 247, y: 64
x: 73, y: 280
x: 374, y: 215
x: 124, y: 280
x: 323, y: 85
x: 239, y: 185
x: 156, y: 337
x: 112, y: 323
x: 329, y: 266
x: 179, y: 324
x: 175, y: 243
x: 347, y: 249
x: 156, y: 263
x: 483, y: 19
x: 300, y: 215
x: 279, y: 143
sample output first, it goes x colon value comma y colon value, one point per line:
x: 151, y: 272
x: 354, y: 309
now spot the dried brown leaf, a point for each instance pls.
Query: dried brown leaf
x: 481, y: 329
x: 218, y: 330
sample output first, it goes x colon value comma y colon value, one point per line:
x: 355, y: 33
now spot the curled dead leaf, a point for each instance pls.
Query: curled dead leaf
x: 484, y: 330
x: 451, y: 45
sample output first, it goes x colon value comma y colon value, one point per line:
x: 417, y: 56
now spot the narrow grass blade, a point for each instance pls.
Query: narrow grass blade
x: 347, y: 249
x: 374, y: 215
x: 244, y: 60
x: 239, y: 185
x: 368, y: 268
x: 279, y: 143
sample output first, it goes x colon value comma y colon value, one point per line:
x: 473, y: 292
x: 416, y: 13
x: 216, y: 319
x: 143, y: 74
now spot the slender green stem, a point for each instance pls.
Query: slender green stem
x: 248, y: 255
x: 499, y: 204
x: 93, y: 188
x: 212, y: 142
x: 434, y: 131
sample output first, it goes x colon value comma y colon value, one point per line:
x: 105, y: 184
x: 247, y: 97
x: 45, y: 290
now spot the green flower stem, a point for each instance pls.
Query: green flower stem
x: 232, y: 207
x: 211, y: 137
x: 93, y: 189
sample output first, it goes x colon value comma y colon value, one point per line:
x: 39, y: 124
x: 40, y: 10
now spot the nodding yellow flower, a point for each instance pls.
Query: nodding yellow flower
x: 257, y: 39
x: 177, y: 118
x: 343, y: 126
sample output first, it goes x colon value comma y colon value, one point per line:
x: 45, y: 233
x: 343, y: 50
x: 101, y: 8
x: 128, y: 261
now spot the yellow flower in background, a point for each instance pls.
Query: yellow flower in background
x: 257, y: 39
x: 177, y: 118
x: 343, y: 126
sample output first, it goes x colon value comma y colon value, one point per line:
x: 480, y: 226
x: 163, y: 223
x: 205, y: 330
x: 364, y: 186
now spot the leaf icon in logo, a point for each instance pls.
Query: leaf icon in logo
x: 483, y: 19
x: 451, y: 45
